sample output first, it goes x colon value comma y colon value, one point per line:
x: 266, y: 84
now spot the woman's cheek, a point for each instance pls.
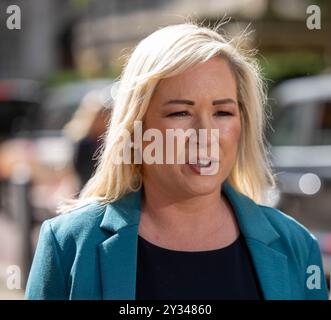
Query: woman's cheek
x: 230, y: 135
x: 234, y: 130
x: 230, y: 132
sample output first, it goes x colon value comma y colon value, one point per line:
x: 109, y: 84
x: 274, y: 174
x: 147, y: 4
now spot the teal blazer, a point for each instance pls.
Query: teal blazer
x: 91, y: 252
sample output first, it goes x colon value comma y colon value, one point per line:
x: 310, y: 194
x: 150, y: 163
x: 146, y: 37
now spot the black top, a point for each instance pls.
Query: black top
x: 220, y: 274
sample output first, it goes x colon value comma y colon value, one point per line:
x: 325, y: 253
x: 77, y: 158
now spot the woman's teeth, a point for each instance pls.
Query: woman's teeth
x: 204, y: 163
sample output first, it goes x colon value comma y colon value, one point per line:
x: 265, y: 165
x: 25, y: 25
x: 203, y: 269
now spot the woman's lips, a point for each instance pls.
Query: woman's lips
x: 204, y: 167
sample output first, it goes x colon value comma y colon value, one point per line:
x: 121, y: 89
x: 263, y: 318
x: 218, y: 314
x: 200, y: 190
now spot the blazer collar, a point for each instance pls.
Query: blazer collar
x: 253, y: 223
x: 123, y: 213
x: 118, y: 254
x: 270, y: 264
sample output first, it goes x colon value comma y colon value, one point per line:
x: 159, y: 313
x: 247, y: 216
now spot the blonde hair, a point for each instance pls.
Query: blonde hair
x: 165, y: 53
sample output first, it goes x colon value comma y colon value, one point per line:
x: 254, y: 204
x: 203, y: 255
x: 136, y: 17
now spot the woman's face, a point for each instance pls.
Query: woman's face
x: 202, y: 97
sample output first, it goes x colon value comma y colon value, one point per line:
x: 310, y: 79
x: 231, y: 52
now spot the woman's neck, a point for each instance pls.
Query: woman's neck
x: 204, y: 222
x: 170, y: 211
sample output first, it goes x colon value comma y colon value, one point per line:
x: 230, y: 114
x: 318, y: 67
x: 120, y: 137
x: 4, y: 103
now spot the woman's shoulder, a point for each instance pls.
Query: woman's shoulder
x: 76, y: 223
x: 288, y: 227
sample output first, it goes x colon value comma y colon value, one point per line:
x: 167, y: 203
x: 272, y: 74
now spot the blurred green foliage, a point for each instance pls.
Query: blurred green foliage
x: 279, y: 66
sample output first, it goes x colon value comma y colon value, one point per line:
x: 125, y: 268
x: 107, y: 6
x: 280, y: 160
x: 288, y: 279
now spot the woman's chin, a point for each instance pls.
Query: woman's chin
x: 202, y: 185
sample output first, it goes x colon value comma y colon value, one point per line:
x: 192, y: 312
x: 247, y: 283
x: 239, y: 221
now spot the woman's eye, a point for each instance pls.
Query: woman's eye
x: 223, y: 113
x: 178, y: 114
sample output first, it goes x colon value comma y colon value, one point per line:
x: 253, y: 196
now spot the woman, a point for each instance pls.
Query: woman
x: 173, y: 230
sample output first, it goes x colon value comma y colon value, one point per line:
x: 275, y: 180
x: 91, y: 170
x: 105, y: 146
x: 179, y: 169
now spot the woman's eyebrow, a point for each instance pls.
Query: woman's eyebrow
x: 180, y: 101
x: 224, y: 101
x: 191, y: 103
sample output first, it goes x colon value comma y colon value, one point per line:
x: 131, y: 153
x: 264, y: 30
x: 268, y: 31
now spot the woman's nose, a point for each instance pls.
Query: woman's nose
x: 205, y: 129
x: 205, y: 141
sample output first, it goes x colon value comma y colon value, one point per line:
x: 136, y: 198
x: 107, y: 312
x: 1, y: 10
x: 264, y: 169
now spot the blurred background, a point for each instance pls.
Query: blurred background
x: 57, y: 72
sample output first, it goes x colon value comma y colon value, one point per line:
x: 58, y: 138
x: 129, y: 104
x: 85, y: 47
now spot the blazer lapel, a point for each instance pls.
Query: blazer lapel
x: 271, y: 265
x: 118, y: 253
x: 272, y: 270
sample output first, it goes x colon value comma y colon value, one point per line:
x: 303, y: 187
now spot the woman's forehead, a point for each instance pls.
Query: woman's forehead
x: 214, y: 75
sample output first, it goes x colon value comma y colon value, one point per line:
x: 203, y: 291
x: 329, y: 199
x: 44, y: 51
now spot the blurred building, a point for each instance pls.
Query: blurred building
x: 93, y: 34
x: 109, y: 27
x: 38, y: 49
